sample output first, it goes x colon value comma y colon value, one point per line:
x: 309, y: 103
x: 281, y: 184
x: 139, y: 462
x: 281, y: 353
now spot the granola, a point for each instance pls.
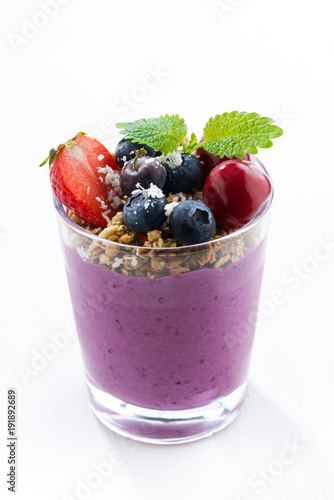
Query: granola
x: 156, y: 253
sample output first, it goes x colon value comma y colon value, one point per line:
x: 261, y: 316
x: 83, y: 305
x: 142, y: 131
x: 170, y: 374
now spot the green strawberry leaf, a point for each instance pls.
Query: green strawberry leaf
x: 237, y: 133
x: 53, y: 152
x: 165, y: 133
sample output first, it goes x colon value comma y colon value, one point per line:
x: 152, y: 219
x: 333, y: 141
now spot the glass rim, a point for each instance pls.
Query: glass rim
x: 61, y: 211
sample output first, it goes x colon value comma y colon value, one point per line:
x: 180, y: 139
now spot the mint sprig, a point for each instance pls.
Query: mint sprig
x: 228, y: 134
x: 165, y: 133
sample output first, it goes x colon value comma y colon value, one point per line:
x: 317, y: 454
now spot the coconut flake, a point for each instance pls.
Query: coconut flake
x: 111, y: 195
x: 153, y: 191
x: 103, y: 204
x: 173, y: 160
x: 170, y: 207
x: 117, y: 262
x: 111, y: 176
x: 117, y: 200
x: 100, y: 157
x: 84, y: 253
x: 133, y: 259
x: 105, y: 216
x: 112, y: 179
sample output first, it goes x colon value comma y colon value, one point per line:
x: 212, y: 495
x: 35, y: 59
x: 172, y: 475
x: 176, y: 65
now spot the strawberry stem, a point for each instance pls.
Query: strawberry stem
x: 53, y: 152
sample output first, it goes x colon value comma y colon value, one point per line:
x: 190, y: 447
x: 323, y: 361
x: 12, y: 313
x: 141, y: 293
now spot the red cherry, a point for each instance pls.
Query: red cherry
x: 235, y: 191
x: 210, y: 161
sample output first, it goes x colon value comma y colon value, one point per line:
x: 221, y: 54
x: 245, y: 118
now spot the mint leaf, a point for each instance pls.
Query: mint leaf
x: 237, y: 133
x: 165, y: 133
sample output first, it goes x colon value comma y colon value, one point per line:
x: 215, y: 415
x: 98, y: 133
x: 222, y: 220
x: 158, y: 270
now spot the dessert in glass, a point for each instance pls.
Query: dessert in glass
x: 164, y: 273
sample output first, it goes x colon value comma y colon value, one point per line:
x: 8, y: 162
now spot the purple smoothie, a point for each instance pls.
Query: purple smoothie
x: 168, y: 343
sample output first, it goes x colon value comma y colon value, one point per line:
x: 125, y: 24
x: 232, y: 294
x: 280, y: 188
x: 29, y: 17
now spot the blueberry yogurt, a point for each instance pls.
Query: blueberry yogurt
x: 175, y: 342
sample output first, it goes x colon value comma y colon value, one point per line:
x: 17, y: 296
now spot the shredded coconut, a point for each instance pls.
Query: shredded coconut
x: 103, y: 204
x: 111, y: 176
x: 105, y: 216
x: 100, y: 157
x: 170, y: 207
x: 173, y: 160
x: 116, y: 202
x: 105, y: 208
x: 117, y: 262
x: 112, y: 179
x: 111, y: 195
x: 84, y: 253
x: 133, y: 260
x: 153, y: 191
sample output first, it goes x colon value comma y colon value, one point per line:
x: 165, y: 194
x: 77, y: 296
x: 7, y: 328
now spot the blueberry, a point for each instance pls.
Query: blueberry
x: 144, y: 211
x: 192, y: 222
x: 126, y: 150
x: 145, y: 171
x: 185, y: 177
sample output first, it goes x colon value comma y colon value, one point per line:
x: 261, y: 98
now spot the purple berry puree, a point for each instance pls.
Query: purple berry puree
x: 169, y: 343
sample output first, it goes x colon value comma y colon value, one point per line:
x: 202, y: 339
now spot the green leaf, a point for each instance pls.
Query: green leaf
x: 53, y: 152
x: 192, y: 145
x: 44, y: 162
x: 237, y: 133
x: 165, y: 133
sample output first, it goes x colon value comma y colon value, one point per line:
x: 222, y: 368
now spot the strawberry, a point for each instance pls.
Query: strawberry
x: 85, y: 178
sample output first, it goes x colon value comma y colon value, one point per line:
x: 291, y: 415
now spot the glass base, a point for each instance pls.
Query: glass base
x: 164, y: 426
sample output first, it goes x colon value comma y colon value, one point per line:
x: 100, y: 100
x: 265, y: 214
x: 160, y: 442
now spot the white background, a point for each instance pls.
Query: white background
x: 85, y: 66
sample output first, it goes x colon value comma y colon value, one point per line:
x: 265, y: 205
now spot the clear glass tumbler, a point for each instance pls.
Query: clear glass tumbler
x: 166, y: 333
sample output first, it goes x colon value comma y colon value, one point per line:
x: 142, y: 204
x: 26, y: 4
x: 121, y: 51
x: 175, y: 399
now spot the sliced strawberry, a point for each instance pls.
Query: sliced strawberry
x: 85, y: 178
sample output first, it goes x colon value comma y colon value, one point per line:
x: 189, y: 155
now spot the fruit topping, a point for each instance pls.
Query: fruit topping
x: 144, y: 170
x: 85, y: 178
x: 192, y: 222
x: 235, y: 191
x: 126, y: 150
x: 210, y: 161
x: 144, y: 211
x: 159, y: 159
x: 184, y: 172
